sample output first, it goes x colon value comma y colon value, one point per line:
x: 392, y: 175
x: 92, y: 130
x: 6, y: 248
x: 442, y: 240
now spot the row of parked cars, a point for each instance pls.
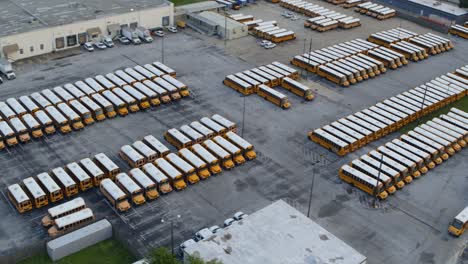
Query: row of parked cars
x: 207, y: 232
x: 108, y: 43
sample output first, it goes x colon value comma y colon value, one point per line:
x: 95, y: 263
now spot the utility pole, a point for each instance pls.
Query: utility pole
x: 162, y: 50
x: 315, y: 162
x: 310, y: 50
x: 243, y: 118
x: 225, y: 26
x: 172, y: 231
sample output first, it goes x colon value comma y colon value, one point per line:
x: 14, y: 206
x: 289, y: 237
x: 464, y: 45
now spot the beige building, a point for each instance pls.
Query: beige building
x: 31, y: 28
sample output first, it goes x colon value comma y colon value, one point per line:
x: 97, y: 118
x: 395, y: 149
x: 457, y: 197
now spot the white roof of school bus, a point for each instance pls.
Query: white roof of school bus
x: 48, y: 182
x: 141, y: 178
x: 216, y: 148
x: 190, y: 132
x: 6, y: 129
x: 179, y: 162
x: 173, y: 81
x: 178, y: 135
x: 89, y: 103
x: 127, y: 182
x: 84, y: 87
x: 77, y: 171
x: 66, y: 207
x: 134, y: 92
x: 34, y: 188
x: 94, y: 85
x: 212, y: 124
x: 143, y: 148
x: 106, y: 162
x: 131, y: 153
x: 226, y: 145
x: 28, y: 103
x: 18, y: 125
x: 165, y: 166
x: 109, y: 95
x: 192, y: 158
x: 16, y: 106
x: 222, y: 121
x: 63, y: 177
x: 90, y: 167
x: 6, y: 110
x: 156, y: 144
x: 125, y: 77
x: 136, y: 75
x: 154, y: 172
x: 124, y: 95
x: 18, y: 193
x: 112, y: 189
x: 79, y: 107
x: 201, y: 128
x: 101, y: 100
x: 144, y: 89
x: 66, y: 110
x: 155, y: 87
x: 140, y: 69
x: 104, y: 81
x: 73, y: 218
x: 463, y: 215
x: 43, y: 117
x: 203, y: 153
x: 238, y: 140
x: 30, y: 121
x: 41, y: 100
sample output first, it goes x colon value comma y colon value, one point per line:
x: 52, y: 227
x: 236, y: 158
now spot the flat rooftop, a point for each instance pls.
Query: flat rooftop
x: 19, y: 16
x: 277, y: 233
x: 442, y: 6
x: 221, y: 20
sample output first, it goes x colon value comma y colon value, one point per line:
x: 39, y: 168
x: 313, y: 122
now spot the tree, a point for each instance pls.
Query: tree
x: 162, y: 255
x: 194, y: 259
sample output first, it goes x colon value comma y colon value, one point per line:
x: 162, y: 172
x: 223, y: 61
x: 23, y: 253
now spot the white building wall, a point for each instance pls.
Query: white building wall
x: 42, y: 41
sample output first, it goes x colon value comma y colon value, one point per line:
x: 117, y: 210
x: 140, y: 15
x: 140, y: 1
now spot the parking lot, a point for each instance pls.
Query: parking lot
x: 409, y: 227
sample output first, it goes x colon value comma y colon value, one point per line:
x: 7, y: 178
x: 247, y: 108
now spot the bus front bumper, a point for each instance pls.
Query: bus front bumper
x: 89, y: 121
x: 153, y: 194
x: 123, y: 206
x: 165, y: 188
x: 155, y: 102
x: 139, y: 199
x: 228, y: 164
x: 250, y: 155
x: 184, y: 93
x: 24, y: 138
x: 215, y: 169
x: 204, y: 174
x: 37, y: 133
x: 12, y: 142
x: 180, y: 185
x: 193, y: 178
x: 50, y: 130
x: 239, y: 160
x: 101, y: 117
x: 453, y: 231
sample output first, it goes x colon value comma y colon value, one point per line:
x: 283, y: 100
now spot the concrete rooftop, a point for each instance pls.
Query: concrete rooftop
x: 442, y: 6
x: 277, y: 233
x: 19, y: 16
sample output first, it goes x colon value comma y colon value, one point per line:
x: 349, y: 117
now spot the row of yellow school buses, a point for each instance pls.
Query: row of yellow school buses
x: 323, y: 19
x: 62, y: 182
x: 393, y: 165
x: 357, y: 60
x: 73, y: 106
x: 260, y: 80
x: 414, y: 46
x: 213, y: 146
x: 156, y: 171
x: 459, y: 30
x: 354, y: 131
x: 67, y: 217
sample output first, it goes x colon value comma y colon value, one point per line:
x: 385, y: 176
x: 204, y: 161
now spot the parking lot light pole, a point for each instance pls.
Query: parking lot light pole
x: 172, y: 233
x: 312, y: 185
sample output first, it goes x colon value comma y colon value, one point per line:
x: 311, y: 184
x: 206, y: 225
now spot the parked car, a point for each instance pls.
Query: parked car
x: 264, y: 42
x: 159, y: 33
x: 228, y: 222
x: 100, y: 45
x: 202, y: 234
x: 214, y: 229
x: 88, y: 46
x: 108, y: 42
x: 187, y: 243
x: 269, y: 46
x: 239, y: 216
x: 124, y: 40
x: 172, y: 29
x: 1, y: 80
x: 287, y: 14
